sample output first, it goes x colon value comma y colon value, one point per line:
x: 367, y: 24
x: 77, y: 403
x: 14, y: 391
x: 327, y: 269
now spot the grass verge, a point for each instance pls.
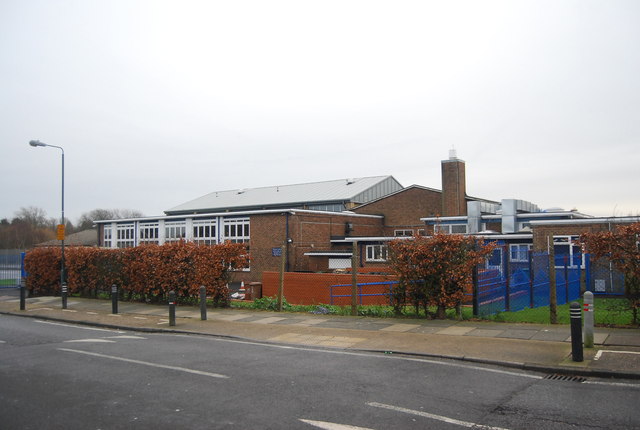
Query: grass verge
x: 608, y: 312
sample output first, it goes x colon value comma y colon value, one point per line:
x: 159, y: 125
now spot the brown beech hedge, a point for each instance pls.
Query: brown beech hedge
x: 146, y: 272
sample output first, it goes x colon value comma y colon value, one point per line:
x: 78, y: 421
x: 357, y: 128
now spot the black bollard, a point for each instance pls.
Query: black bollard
x: 203, y: 303
x: 576, y: 332
x: 64, y: 296
x: 23, y: 295
x: 114, y: 299
x: 172, y: 308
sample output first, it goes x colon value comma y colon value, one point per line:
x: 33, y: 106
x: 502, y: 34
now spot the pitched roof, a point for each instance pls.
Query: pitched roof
x: 355, y: 190
x: 87, y: 237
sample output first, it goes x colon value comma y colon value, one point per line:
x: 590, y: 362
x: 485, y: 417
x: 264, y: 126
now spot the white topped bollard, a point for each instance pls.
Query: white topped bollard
x: 588, y: 319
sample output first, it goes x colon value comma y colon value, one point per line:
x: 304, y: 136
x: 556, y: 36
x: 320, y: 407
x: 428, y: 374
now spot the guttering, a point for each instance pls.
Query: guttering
x: 611, y: 220
x: 370, y: 239
x: 237, y: 214
x: 515, y: 236
x: 328, y: 254
x: 448, y: 218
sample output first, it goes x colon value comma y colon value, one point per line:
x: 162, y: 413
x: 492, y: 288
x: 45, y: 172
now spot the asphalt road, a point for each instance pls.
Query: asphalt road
x: 63, y: 376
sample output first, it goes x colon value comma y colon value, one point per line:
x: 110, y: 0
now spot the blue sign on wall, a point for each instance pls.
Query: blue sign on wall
x: 276, y: 252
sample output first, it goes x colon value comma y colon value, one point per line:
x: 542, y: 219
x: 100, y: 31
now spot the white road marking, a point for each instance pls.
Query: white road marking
x: 613, y: 384
x: 600, y: 352
x: 332, y: 426
x: 78, y: 326
x: 146, y: 363
x: 3, y: 341
x: 126, y: 337
x: 434, y: 416
x: 90, y: 341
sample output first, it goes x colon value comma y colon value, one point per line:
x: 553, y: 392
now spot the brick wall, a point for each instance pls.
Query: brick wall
x: 403, y: 210
x: 307, y: 231
x: 313, y: 288
x: 540, y: 233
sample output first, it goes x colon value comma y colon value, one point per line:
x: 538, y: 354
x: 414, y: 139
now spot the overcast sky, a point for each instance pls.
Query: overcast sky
x: 159, y: 102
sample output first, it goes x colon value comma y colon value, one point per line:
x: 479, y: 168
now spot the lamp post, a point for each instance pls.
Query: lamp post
x: 61, y: 227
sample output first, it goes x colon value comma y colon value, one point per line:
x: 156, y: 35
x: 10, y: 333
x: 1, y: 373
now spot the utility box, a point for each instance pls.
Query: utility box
x: 253, y: 291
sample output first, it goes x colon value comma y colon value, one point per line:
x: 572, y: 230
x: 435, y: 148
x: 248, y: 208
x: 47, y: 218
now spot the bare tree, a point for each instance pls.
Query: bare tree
x: 87, y: 219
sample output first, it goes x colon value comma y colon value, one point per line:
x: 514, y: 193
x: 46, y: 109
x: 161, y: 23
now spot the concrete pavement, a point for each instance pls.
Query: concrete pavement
x: 544, y: 348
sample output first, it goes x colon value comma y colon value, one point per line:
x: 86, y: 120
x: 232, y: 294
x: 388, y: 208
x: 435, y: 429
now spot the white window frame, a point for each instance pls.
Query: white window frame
x: 571, y: 242
x: 125, y: 235
x: 377, y: 253
x: 403, y: 233
x: 148, y: 233
x: 521, y: 251
x: 236, y: 230
x: 449, y: 228
x: 205, y: 231
x: 107, y: 236
x: 175, y: 231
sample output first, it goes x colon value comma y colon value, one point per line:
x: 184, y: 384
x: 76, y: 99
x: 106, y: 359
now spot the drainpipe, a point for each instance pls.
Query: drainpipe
x: 287, y: 240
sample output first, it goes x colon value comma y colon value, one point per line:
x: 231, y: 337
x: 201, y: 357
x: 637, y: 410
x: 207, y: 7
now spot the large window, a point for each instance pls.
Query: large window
x: 148, y: 233
x: 107, y: 236
x: 175, y: 231
x: 204, y: 232
x: 377, y: 252
x: 125, y: 235
x: 519, y: 252
x: 236, y: 230
x: 403, y: 233
x: 450, y: 228
x: 567, y: 250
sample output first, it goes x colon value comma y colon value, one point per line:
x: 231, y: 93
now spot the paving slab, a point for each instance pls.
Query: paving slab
x: 400, y: 327
x: 482, y: 332
x: 455, y: 330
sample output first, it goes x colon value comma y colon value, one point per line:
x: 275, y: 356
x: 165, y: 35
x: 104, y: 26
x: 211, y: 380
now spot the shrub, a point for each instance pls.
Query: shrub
x: 148, y: 271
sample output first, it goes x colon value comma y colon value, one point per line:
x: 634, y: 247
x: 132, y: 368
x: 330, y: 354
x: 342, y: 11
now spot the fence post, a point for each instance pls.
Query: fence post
x: 576, y: 332
x: 23, y: 294
x: 566, y: 279
x: 203, y: 303
x: 588, y: 319
x: 507, y: 277
x: 582, y: 272
x: 531, y: 277
x: 475, y: 303
x: 172, y: 308
x: 553, y: 299
x: 354, y: 279
x: 587, y: 272
x: 114, y: 299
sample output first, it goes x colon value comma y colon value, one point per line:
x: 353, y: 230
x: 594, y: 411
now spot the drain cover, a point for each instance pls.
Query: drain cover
x: 569, y: 378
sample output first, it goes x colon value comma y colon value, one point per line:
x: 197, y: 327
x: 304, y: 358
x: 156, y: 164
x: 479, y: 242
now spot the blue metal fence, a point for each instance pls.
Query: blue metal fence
x: 373, y: 289
x: 503, y: 285
x: 11, y: 269
x: 512, y: 287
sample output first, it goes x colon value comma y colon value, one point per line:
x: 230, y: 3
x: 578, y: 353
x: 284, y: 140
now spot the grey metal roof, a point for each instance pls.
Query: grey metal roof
x: 354, y: 190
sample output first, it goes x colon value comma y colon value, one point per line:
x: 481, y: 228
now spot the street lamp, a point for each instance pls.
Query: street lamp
x: 61, y: 227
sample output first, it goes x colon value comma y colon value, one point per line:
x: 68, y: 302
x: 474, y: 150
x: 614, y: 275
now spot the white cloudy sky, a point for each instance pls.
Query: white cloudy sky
x: 158, y: 102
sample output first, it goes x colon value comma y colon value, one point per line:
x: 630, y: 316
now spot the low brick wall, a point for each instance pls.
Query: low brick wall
x: 314, y: 288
